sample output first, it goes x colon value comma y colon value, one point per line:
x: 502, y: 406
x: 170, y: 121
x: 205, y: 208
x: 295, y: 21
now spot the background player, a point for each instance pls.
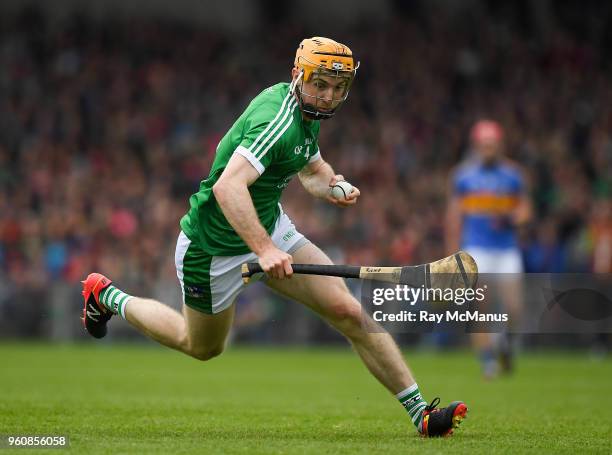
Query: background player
x: 487, y: 202
x: 236, y: 217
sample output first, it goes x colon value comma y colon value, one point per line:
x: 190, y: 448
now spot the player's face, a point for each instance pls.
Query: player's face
x: 489, y: 150
x: 325, y: 92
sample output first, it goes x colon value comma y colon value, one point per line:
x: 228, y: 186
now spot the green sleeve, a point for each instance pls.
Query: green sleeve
x: 262, y: 134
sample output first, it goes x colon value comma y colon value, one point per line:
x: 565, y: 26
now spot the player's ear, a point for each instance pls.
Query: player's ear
x: 294, y: 73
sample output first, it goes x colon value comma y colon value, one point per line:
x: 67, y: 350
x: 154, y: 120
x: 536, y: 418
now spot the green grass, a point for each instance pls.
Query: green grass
x: 140, y: 399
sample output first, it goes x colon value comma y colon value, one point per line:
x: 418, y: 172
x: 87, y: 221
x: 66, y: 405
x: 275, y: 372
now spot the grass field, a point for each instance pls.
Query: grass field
x: 140, y: 399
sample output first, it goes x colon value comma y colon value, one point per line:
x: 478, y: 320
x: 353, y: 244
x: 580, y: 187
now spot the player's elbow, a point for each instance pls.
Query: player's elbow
x: 222, y: 192
x: 219, y: 189
x: 226, y: 189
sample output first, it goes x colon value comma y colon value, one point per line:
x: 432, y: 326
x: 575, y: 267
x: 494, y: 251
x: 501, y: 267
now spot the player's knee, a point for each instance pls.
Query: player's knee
x: 346, y: 315
x: 344, y: 311
x: 206, y: 352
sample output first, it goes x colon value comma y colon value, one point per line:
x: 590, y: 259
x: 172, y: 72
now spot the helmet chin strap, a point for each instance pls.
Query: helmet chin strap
x: 312, y: 113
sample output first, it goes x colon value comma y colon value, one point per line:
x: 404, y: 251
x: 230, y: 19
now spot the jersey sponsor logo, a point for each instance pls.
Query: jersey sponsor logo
x: 299, y: 148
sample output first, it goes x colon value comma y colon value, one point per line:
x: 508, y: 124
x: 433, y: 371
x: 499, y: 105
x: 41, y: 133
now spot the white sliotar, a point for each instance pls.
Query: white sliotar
x: 341, y: 190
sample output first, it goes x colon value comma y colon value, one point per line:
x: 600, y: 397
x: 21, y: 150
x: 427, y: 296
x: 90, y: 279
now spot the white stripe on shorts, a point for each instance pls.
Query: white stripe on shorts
x: 182, y: 244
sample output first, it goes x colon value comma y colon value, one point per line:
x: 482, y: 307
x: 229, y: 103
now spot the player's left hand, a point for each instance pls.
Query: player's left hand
x: 351, y: 199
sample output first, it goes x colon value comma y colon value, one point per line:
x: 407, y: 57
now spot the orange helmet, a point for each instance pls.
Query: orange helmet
x: 320, y: 53
x: 326, y: 57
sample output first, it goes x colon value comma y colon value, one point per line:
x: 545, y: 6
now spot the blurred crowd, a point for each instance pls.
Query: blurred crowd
x: 106, y: 128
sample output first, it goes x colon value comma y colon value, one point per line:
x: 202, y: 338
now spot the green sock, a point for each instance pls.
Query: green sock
x: 115, y: 300
x: 414, y: 403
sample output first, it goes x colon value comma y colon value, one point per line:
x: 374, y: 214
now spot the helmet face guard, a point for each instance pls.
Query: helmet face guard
x: 312, y: 105
x: 323, y: 58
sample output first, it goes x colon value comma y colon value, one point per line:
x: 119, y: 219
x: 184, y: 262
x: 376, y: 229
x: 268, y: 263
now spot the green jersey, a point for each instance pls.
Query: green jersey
x: 274, y: 138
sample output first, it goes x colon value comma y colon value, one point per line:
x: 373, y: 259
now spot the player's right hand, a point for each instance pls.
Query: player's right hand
x: 276, y: 263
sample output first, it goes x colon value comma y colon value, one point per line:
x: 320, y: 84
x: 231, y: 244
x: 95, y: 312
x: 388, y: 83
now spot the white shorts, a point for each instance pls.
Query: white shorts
x: 210, y: 284
x: 491, y: 260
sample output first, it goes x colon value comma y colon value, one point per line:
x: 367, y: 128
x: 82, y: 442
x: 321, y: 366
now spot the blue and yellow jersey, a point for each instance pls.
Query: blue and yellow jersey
x: 488, y: 194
